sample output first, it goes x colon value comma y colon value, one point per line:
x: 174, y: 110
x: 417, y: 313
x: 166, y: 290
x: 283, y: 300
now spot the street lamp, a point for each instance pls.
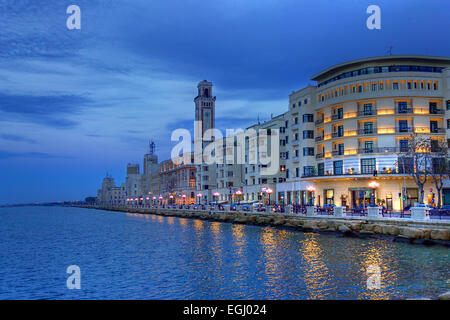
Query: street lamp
x: 239, y: 193
x: 184, y: 199
x: 199, y: 196
x: 216, y: 195
x: 373, y: 185
x: 269, y: 192
x: 311, y: 189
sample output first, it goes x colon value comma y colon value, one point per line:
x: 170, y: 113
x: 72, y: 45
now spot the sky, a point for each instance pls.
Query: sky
x: 78, y: 104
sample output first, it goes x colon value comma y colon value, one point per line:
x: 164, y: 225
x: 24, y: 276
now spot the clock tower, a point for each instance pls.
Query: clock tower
x: 205, y: 106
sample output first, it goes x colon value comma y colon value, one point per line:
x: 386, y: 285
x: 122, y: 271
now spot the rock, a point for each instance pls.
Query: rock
x: 390, y: 230
x: 343, y: 228
x: 322, y: 225
x: 444, y: 296
x: 411, y: 233
x: 310, y: 225
x: 367, y: 227
x: 440, y: 234
x: 279, y: 221
x: 355, y: 226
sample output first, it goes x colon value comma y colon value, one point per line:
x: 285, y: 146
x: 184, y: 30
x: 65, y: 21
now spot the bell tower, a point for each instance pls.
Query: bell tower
x: 205, y: 106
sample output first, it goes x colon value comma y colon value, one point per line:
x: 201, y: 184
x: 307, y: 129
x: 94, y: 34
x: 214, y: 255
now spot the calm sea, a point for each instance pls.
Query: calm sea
x: 131, y: 256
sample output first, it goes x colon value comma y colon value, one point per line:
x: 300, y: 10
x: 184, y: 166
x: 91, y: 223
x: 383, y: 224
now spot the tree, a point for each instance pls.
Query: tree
x: 440, y: 167
x: 417, y: 161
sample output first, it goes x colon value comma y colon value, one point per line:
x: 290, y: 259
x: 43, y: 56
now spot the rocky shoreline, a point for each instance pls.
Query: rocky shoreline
x: 399, y: 230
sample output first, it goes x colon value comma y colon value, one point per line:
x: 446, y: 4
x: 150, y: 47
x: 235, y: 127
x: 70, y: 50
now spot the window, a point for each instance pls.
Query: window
x: 328, y: 195
x: 368, y: 127
x: 308, y: 171
x: 434, y: 126
x: 368, y: 166
x: 402, y: 107
x: 405, y: 164
x: 448, y: 104
x: 286, y: 123
x: 308, y: 118
x: 435, y: 146
x: 403, y: 125
x: 308, y: 134
x: 309, y: 151
x: 297, y: 172
x: 367, y: 110
x: 395, y: 86
x: 287, y: 173
x: 295, y: 120
x: 448, y: 123
x: 286, y: 139
x: 374, y: 87
x: 403, y: 145
x: 306, y: 101
x: 433, y: 108
x: 321, y: 169
x: 337, y: 167
x: 368, y: 146
x: 341, y: 149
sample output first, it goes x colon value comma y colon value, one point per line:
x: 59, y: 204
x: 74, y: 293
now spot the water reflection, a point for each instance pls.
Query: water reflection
x: 154, y: 257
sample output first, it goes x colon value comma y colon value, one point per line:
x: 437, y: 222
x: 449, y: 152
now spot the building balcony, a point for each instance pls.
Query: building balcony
x: 319, y: 121
x: 337, y: 134
x: 320, y: 138
x: 295, y: 127
x: 365, y: 131
x: 437, y: 130
x: 337, y: 153
x: 295, y: 142
x: 295, y: 159
x: 408, y: 110
x: 404, y: 129
x: 366, y: 113
x: 377, y: 150
x: 337, y: 117
x: 437, y: 111
x: 320, y: 155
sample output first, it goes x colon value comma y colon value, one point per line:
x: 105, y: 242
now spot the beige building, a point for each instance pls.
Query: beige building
x: 357, y: 121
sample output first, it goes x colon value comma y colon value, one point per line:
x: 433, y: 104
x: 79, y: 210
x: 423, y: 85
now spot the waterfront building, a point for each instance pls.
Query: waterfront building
x: 177, y: 182
x: 356, y: 123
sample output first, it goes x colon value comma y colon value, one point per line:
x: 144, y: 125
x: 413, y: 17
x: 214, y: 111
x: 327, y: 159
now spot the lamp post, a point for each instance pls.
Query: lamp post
x: 184, y: 199
x: 311, y: 189
x: 269, y: 192
x: 160, y: 200
x: 239, y: 193
x: 373, y: 185
x: 216, y: 196
x: 199, y: 196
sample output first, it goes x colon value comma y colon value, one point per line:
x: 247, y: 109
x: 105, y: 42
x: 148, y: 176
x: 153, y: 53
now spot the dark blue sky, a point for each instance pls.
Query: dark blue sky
x: 75, y: 104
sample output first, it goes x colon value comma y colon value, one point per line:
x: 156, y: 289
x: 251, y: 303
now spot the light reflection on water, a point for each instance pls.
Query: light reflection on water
x: 133, y: 256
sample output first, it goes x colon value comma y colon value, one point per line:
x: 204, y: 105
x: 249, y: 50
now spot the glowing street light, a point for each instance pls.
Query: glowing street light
x: 199, y: 196
x: 373, y: 185
x: 311, y: 189
x: 269, y: 192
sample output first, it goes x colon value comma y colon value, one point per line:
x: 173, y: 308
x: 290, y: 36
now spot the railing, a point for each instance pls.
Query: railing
x: 338, y: 153
x: 319, y: 121
x: 320, y: 155
x: 437, y: 130
x: 404, y: 129
x: 337, y: 117
x: 320, y: 138
x: 337, y: 134
x: 367, y: 130
x: 377, y: 150
x: 404, y: 110
x: 364, y: 113
x: 437, y: 111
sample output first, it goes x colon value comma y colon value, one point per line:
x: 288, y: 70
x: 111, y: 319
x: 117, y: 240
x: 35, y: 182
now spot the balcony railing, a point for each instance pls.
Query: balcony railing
x: 377, y: 150
x: 338, y: 152
x: 437, y: 130
x: 319, y: 121
x: 404, y: 129
x: 320, y: 155
x: 437, y: 111
x: 367, y: 130
x: 364, y: 113
x: 337, y: 134
x: 320, y: 138
x: 404, y: 110
x: 337, y: 117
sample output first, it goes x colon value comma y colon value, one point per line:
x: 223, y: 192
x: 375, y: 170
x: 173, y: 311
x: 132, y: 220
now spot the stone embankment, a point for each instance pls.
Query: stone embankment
x: 404, y: 230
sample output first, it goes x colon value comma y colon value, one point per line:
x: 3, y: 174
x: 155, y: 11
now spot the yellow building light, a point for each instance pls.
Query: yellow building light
x: 385, y: 130
x: 350, y: 115
x: 350, y: 152
x: 350, y: 133
x: 422, y: 130
x: 385, y: 111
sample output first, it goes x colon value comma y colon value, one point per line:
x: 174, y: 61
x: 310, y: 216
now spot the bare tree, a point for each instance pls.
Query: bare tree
x: 417, y: 161
x: 440, y: 167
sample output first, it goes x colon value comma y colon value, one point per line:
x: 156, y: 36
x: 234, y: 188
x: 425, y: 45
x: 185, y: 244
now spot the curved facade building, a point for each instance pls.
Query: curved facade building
x: 353, y: 126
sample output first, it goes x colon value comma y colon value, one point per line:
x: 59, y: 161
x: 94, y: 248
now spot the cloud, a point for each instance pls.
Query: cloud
x: 47, y: 110
x: 16, y: 138
x: 39, y: 155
